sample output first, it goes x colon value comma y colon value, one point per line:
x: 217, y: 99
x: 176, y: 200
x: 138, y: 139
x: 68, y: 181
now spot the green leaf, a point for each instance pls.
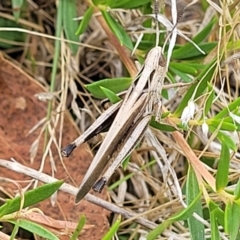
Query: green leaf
x: 127, y: 4
x: 144, y: 44
x: 205, y: 77
x: 164, y: 94
x: 162, y: 127
x: 228, y: 217
x: 118, y: 30
x: 197, y: 66
x: 192, y: 191
x: 184, y: 68
x: 209, y: 101
x: 231, y: 107
x: 216, y: 218
x: 189, y: 50
x: 125, y: 162
x: 223, y: 167
x: 116, y: 85
x: 231, y: 219
x: 224, y: 124
x: 16, y: 7
x: 158, y: 230
x: 237, y: 190
x: 182, y: 75
x: 110, y: 234
x: 187, y: 212
x: 10, y: 36
x: 79, y: 228
x: 201, y: 36
x: 35, y: 229
x: 183, y: 215
x: 171, y: 77
x: 113, y: 98
x: 192, y: 52
x: 84, y: 23
x: 30, y: 198
x: 223, y: 137
x: 235, y: 227
x: 215, y: 235
x: 218, y: 212
x: 101, y: 2
x: 15, y: 230
x: 69, y: 25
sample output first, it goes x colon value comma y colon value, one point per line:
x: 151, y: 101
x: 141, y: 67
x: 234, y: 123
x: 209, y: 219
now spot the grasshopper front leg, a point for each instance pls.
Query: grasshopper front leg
x: 102, y: 122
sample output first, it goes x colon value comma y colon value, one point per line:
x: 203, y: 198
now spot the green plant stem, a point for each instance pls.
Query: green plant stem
x: 55, y: 63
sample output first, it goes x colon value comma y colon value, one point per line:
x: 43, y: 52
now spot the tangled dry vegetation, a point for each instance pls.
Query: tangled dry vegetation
x: 192, y: 166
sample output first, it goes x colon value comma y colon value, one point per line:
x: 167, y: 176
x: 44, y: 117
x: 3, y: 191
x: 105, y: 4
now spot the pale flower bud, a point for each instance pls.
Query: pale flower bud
x: 205, y: 129
x: 188, y: 112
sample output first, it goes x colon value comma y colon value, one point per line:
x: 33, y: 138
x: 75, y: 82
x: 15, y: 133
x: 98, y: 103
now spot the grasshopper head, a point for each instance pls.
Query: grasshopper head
x: 156, y: 57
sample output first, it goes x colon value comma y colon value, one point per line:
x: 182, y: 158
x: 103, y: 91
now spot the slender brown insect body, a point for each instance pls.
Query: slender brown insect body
x: 132, y: 117
x: 137, y: 104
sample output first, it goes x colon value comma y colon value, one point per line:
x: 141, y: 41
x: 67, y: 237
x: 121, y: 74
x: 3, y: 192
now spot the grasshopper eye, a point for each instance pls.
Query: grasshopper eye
x: 162, y: 61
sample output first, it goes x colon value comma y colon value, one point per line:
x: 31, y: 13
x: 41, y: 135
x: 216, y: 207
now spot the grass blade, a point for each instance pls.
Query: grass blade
x: 70, y: 26
x: 79, y: 228
x: 196, y: 227
x: 223, y: 167
x: 35, y: 228
x: 113, y: 229
x: 30, y: 198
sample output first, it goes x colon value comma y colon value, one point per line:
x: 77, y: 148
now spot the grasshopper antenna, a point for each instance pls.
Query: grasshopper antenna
x: 156, y: 11
x: 178, y: 19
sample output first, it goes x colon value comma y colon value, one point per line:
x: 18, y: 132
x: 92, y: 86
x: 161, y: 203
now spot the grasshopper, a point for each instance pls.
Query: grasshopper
x: 131, y: 118
x: 129, y: 125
